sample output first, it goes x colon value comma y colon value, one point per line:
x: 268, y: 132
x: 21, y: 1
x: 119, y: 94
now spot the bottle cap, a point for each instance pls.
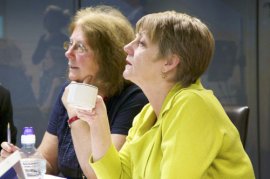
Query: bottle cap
x: 28, y: 136
x: 28, y: 131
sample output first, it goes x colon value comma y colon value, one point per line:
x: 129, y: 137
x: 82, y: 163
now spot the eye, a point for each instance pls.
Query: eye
x: 141, y: 43
x: 80, y: 48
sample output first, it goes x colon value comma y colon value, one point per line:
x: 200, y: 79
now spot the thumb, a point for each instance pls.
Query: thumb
x: 100, y: 107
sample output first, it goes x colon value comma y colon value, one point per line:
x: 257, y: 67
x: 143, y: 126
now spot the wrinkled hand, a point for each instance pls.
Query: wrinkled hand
x: 96, y: 115
x: 100, y: 130
x: 70, y: 110
x: 96, y: 118
x: 7, y: 149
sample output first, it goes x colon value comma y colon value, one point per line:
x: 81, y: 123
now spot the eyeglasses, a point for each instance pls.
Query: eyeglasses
x: 78, y: 47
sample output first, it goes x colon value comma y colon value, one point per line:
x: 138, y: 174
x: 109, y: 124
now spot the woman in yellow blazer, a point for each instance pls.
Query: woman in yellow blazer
x: 183, y: 132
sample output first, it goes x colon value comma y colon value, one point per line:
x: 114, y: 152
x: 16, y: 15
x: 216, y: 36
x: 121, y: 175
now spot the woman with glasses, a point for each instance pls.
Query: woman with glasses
x: 95, y: 55
x: 184, y: 131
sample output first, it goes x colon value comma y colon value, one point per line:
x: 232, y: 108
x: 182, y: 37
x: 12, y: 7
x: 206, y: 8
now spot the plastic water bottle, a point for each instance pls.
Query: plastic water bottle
x: 32, y: 161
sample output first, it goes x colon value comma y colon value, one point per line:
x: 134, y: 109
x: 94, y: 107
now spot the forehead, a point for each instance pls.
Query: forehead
x: 78, y: 34
x: 147, y: 30
x: 143, y: 35
x: 146, y: 37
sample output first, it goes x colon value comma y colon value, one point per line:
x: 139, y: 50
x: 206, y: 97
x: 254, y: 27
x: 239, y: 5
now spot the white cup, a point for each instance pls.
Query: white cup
x: 82, y: 96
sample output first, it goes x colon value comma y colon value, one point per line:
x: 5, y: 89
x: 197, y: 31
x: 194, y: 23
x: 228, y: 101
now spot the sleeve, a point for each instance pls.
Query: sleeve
x: 190, y: 139
x: 127, y: 108
x: 56, y: 112
x: 116, y: 164
x: 109, y: 166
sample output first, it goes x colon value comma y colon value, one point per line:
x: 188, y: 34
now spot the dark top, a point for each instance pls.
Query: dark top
x: 121, y: 110
x: 6, y: 116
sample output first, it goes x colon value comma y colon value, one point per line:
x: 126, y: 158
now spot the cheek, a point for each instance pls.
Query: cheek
x: 88, y: 66
x: 140, y: 61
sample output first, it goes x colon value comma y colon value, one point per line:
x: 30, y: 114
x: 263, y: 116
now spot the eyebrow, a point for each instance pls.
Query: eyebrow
x: 77, y: 41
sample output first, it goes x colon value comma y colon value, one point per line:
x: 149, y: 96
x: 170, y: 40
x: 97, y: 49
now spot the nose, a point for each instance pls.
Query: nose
x: 69, y: 53
x: 128, y: 48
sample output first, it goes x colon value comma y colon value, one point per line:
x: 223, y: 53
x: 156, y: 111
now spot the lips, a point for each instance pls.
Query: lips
x: 128, y: 63
x: 73, y: 67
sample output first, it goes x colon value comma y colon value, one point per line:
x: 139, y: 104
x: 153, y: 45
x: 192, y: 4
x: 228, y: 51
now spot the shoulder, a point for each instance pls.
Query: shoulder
x: 131, y: 97
x: 131, y: 89
x: 197, y: 105
x: 4, y: 93
x: 58, y: 104
x: 62, y: 88
x: 131, y: 92
x: 122, y: 108
x: 190, y: 97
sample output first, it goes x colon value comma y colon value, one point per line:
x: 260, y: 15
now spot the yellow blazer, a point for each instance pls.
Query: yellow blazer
x: 192, y: 138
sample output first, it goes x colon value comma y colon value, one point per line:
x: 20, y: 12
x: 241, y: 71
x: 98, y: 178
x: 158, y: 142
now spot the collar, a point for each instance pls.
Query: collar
x: 173, y: 93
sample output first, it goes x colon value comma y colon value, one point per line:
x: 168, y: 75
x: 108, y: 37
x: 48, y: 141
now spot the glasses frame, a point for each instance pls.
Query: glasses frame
x: 78, y: 47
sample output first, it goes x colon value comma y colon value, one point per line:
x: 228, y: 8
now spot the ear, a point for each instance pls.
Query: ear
x: 171, y: 63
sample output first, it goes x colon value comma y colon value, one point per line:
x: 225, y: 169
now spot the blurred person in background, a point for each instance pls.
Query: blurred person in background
x: 54, y: 69
x: 49, y: 57
x: 137, y: 10
x: 54, y: 21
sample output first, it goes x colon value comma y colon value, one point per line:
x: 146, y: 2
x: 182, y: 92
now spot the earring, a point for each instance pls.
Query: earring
x: 163, y: 74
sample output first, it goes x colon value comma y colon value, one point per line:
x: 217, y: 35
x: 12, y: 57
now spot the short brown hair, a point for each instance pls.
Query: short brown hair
x: 183, y: 35
x: 107, y: 30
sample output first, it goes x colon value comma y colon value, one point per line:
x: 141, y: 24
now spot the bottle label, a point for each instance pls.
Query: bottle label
x: 33, y: 167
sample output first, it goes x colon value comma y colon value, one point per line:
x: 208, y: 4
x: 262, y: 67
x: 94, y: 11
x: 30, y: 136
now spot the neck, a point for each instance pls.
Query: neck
x: 156, y: 94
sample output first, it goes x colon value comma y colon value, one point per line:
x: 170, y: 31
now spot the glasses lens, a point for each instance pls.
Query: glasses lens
x: 80, y: 48
x: 77, y: 46
x: 66, y: 45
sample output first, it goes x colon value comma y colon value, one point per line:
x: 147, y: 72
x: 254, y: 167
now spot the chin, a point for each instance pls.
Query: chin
x: 73, y: 78
x: 125, y: 75
x: 128, y: 77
